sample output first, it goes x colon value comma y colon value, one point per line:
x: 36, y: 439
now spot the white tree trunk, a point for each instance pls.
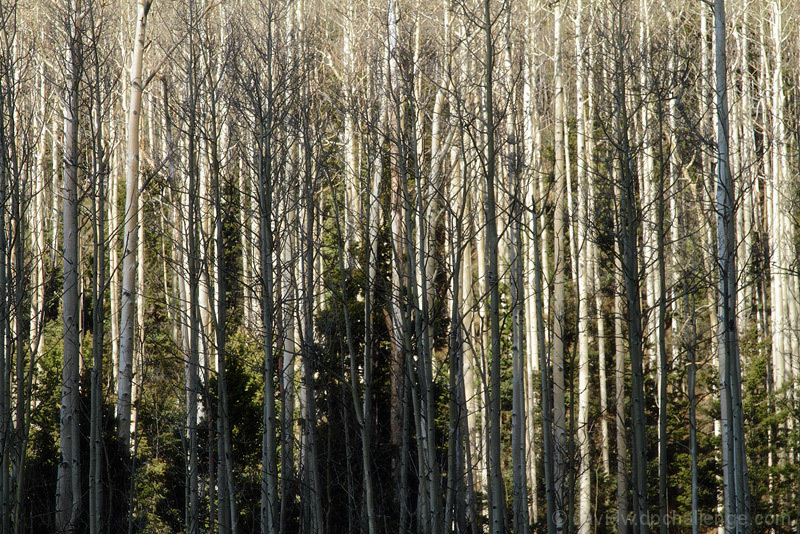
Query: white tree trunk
x: 131, y: 238
x: 559, y: 258
x: 68, y: 491
x: 583, y: 266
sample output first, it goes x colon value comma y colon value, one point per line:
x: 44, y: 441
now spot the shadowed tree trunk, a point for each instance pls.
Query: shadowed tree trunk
x: 68, y: 491
x: 734, y: 463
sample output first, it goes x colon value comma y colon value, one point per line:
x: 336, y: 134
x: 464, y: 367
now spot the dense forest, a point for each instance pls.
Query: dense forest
x: 399, y: 266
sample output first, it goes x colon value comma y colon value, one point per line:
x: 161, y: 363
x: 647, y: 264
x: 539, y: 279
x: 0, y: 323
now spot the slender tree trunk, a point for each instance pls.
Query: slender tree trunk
x: 691, y: 353
x: 6, y: 176
x: 623, y: 477
x: 661, y: 317
x: 497, y: 499
x: 531, y: 149
x: 734, y: 463
x: 98, y: 309
x: 629, y: 238
x: 311, y: 462
x: 518, y: 421
x: 195, y: 327
x: 559, y: 258
x: 269, y: 455
x: 583, y: 247
x: 371, y: 227
x: 553, y: 516
x: 68, y: 491
x: 130, y: 242
x: 226, y: 493
x: 113, y: 260
x: 514, y: 184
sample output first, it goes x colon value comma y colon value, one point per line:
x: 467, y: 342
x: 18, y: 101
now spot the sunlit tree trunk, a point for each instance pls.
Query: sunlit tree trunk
x: 353, y: 210
x: 194, y: 220
x: 559, y: 258
x: 584, y: 249
x: 747, y: 156
x: 113, y: 256
x: 131, y: 236
x: 531, y: 148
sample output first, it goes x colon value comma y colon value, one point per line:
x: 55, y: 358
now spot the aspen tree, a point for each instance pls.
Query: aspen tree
x: 602, y: 373
x: 429, y: 190
x: 707, y: 164
x: 39, y: 225
x: 311, y: 468
x: 113, y: 247
x: 263, y: 110
x: 131, y: 236
x: 513, y: 170
x: 628, y: 237
x: 530, y: 152
x: 227, y: 491
x: 195, y: 327
x: 19, y: 151
x: 559, y: 259
x: 497, y: 505
x: 415, y: 319
x: 99, y: 178
x: 623, y: 478
x: 353, y: 209
x: 372, y: 214
x: 660, y: 327
x: 399, y: 269
x: 583, y: 271
x: 291, y: 395
x: 593, y: 273
x: 455, y: 514
x: 5, y: 385
x: 747, y: 157
x: 56, y: 157
x: 466, y: 153
x: 552, y: 511
x: 676, y: 264
x: 9, y: 176
x: 68, y: 490
x: 734, y: 463
x: 370, y: 189
x: 463, y: 287
x: 646, y: 174
x: 460, y: 500
x: 690, y: 346
x: 783, y: 292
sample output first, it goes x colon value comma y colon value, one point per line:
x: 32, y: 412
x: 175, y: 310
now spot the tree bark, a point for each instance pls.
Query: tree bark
x: 497, y: 498
x: 734, y: 463
x: 629, y: 239
x: 96, y: 522
x: 130, y: 243
x: 583, y: 266
x: 68, y: 492
x: 559, y: 258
